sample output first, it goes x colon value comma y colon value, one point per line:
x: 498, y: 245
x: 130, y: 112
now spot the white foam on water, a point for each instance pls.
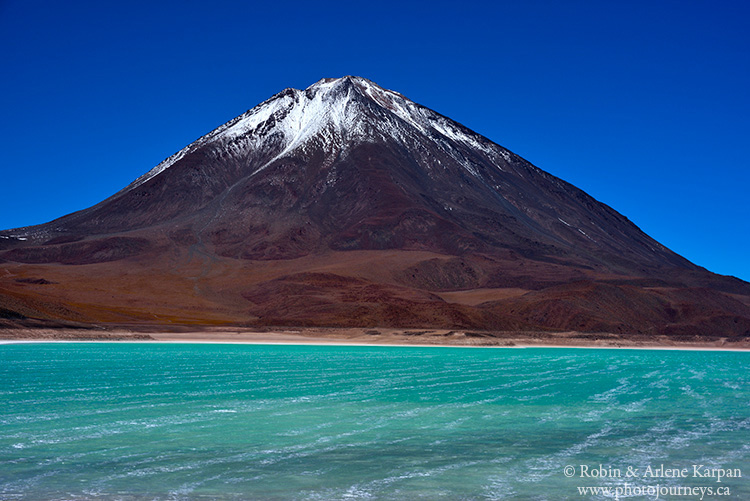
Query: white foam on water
x: 625, y: 387
x: 538, y: 469
x: 637, y: 406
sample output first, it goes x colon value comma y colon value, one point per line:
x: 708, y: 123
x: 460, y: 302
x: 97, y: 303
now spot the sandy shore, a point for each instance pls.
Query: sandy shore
x: 370, y: 337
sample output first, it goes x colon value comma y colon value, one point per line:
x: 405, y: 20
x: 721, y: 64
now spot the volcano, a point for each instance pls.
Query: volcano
x: 347, y: 204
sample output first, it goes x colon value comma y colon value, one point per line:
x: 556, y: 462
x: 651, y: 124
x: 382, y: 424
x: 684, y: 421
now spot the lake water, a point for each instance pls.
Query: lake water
x: 210, y: 421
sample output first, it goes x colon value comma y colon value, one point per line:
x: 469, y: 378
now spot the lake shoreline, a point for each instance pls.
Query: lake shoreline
x: 369, y: 337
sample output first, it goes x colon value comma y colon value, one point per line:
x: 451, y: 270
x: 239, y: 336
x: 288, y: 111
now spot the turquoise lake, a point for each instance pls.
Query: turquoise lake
x: 140, y: 421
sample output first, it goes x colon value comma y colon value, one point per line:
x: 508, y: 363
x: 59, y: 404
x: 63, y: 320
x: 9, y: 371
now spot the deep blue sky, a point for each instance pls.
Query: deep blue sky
x: 643, y: 104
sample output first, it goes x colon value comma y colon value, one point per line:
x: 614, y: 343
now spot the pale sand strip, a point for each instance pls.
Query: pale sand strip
x: 291, y: 339
x: 365, y: 337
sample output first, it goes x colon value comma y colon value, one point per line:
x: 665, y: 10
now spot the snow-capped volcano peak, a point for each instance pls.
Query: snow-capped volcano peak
x: 286, y: 119
x: 337, y: 111
x: 327, y: 85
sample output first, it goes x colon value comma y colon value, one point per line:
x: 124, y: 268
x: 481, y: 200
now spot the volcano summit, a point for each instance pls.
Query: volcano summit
x: 346, y: 204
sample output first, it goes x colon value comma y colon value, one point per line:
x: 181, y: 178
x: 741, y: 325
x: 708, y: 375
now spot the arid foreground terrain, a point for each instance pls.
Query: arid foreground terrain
x: 367, y: 336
